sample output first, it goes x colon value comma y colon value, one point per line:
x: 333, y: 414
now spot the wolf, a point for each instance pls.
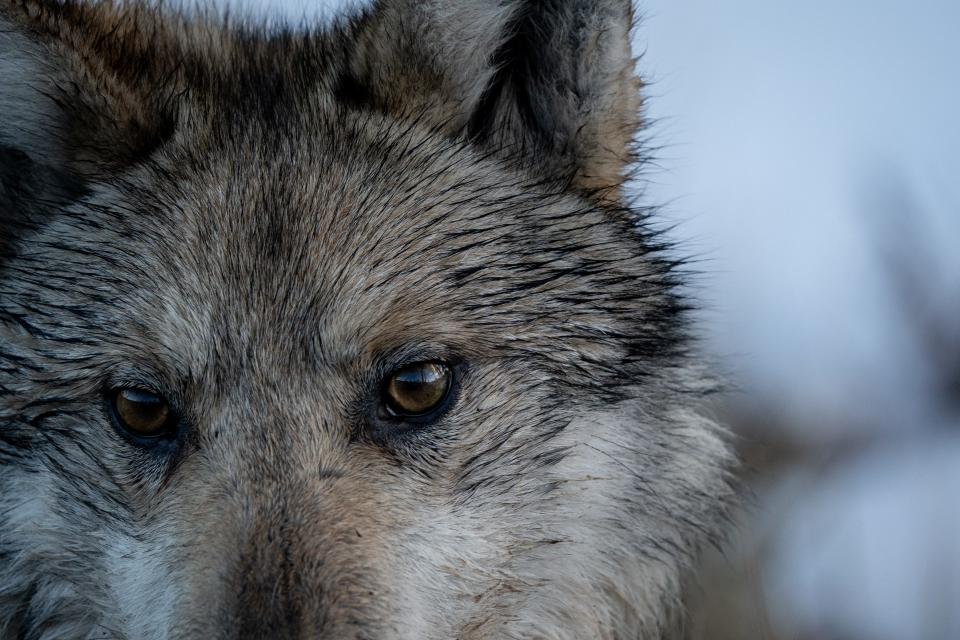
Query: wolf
x: 341, y: 331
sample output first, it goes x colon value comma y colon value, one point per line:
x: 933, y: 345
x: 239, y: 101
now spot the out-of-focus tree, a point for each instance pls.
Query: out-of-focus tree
x: 924, y: 289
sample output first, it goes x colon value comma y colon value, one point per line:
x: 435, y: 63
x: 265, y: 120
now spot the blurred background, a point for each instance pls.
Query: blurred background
x: 809, y: 156
x: 812, y: 164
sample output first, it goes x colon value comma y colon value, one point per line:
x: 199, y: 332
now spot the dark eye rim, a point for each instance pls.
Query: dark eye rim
x: 168, y: 434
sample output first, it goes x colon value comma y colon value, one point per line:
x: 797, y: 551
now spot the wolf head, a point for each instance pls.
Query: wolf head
x: 338, y: 334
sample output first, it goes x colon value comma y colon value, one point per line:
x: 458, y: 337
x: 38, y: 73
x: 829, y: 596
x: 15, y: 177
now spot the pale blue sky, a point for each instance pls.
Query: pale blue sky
x: 786, y: 125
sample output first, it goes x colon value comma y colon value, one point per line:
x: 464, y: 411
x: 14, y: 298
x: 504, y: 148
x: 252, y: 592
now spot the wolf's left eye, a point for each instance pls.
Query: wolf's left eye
x: 142, y: 413
x: 417, y: 389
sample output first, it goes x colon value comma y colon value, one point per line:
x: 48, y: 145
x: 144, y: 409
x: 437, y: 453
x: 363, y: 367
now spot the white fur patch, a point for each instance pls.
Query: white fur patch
x: 143, y: 585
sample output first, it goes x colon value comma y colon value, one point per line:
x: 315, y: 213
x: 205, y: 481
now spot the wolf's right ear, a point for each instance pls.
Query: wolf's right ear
x: 549, y: 81
x: 83, y: 95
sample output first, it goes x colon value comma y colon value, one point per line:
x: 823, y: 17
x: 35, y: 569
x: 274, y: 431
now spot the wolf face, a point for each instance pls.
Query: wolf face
x: 338, y: 334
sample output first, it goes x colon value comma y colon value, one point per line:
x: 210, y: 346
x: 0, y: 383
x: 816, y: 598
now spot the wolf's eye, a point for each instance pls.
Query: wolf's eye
x: 141, y: 412
x: 417, y: 389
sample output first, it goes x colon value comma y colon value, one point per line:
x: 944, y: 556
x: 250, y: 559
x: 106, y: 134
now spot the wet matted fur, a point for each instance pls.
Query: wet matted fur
x: 260, y: 225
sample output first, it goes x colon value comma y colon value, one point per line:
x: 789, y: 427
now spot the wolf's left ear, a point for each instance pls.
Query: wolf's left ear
x: 84, y: 94
x: 550, y: 80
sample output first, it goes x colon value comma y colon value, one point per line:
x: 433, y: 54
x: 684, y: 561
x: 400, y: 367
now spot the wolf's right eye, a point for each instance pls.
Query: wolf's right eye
x: 417, y: 389
x: 142, y: 413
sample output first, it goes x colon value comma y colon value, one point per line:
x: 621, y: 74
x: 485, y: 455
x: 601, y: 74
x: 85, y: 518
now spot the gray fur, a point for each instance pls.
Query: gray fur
x: 261, y: 224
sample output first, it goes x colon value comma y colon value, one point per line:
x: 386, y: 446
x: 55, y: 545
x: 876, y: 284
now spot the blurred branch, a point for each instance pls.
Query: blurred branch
x: 912, y: 259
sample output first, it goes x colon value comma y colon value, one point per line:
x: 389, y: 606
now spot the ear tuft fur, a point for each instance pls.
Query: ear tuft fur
x: 84, y: 95
x: 551, y: 81
x: 82, y: 85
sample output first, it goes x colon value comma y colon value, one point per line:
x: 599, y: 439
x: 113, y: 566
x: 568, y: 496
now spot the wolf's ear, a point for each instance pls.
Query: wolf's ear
x: 553, y: 80
x: 82, y: 96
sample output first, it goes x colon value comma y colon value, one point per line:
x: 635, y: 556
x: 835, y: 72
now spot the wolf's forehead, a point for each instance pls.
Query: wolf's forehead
x: 327, y: 206
x: 371, y: 237
x: 360, y: 241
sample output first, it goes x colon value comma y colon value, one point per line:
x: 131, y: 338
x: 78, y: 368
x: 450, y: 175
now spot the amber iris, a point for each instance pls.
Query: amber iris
x: 142, y: 413
x: 417, y: 389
